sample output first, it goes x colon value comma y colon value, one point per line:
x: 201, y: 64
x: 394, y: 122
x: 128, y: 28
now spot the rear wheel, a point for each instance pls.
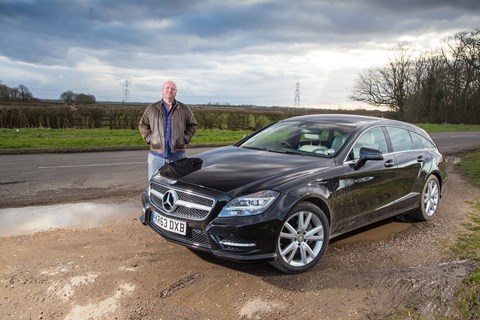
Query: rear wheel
x: 429, y: 201
x: 303, y: 239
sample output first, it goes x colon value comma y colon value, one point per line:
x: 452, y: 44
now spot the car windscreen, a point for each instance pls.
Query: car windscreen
x: 300, y: 137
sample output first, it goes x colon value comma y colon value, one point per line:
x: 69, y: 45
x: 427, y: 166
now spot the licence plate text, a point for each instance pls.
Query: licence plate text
x: 169, y: 224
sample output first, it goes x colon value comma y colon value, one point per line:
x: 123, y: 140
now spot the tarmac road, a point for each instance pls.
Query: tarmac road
x: 454, y: 142
x: 33, y: 179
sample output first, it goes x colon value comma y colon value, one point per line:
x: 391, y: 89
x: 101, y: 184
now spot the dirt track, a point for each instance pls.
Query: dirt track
x: 123, y: 270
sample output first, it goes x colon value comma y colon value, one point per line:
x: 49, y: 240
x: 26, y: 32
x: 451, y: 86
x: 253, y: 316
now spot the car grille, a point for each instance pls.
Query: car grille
x: 194, y: 236
x: 190, y: 206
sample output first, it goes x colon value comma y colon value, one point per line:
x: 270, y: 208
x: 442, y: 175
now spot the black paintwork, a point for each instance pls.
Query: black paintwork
x: 235, y: 170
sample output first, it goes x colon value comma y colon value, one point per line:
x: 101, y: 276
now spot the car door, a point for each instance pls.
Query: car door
x: 410, y: 160
x: 371, y: 188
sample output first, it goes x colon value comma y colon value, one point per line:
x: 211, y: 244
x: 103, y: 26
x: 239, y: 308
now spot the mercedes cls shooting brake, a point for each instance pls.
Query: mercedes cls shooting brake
x: 281, y: 193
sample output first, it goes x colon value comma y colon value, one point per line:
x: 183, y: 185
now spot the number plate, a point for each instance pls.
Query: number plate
x: 169, y: 224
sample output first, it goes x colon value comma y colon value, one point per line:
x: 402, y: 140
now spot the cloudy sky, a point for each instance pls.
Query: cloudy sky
x: 217, y: 51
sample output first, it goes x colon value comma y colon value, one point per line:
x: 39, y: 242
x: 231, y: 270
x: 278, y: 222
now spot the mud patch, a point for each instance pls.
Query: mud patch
x: 380, y: 231
x: 254, y: 309
x: 103, y: 308
x: 68, y: 290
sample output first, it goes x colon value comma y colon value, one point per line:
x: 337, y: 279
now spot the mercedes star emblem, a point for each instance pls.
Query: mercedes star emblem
x: 169, y: 201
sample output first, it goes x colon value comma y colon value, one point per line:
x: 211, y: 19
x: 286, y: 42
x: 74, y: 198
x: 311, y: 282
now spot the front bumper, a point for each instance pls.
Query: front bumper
x: 239, y: 239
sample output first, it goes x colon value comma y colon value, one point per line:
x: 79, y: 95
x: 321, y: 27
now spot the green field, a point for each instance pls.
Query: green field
x: 44, y: 138
x: 34, y: 138
x: 448, y: 127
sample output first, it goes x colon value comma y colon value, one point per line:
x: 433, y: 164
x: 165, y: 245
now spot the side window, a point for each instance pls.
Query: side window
x: 373, y: 139
x: 401, y: 140
x: 417, y: 143
x: 427, y: 144
x: 421, y: 142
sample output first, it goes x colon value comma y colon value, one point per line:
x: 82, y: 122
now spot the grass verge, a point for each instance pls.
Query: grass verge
x: 44, y: 138
x: 429, y: 127
x: 468, y: 244
x: 468, y: 247
x: 470, y: 167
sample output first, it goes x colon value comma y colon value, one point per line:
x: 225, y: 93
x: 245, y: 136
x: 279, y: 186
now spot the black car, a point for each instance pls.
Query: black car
x: 283, y: 192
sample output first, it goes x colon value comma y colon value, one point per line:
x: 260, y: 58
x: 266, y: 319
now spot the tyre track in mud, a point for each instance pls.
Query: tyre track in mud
x: 189, y: 279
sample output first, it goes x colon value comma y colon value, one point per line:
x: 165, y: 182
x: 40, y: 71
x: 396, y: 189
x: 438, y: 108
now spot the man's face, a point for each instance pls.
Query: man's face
x: 169, y: 90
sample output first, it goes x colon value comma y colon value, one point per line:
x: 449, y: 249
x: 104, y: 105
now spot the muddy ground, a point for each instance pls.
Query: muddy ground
x: 123, y: 270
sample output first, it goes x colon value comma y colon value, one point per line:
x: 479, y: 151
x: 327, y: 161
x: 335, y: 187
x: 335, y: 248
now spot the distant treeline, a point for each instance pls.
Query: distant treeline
x: 59, y: 115
x: 20, y: 93
x: 23, y: 94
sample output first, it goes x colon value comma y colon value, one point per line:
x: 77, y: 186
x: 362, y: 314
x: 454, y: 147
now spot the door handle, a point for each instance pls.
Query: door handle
x: 420, y: 158
x: 389, y: 163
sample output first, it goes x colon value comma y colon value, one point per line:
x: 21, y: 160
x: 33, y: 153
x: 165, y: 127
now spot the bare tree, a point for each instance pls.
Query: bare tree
x: 462, y: 58
x: 85, y: 98
x: 68, y: 96
x: 4, y: 92
x: 24, y: 93
x: 387, y: 85
x: 426, y: 100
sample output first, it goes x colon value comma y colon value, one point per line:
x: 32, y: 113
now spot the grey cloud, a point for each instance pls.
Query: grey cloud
x: 185, y: 37
x: 213, y: 25
x: 412, y: 6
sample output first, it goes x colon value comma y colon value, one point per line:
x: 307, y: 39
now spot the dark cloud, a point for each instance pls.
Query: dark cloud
x: 413, y: 6
x: 42, y: 31
x: 184, y: 36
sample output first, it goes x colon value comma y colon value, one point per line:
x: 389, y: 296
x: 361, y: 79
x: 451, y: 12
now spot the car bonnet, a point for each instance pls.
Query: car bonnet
x: 235, y: 170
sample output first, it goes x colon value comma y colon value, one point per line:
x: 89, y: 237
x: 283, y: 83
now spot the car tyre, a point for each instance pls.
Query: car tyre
x: 429, y: 201
x: 303, y: 239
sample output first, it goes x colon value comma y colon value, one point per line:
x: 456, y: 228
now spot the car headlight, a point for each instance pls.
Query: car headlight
x: 250, y: 204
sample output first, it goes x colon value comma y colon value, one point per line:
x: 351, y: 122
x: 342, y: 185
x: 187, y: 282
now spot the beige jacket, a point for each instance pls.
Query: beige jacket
x: 152, y: 123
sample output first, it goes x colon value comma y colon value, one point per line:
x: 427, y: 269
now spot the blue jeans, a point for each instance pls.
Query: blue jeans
x: 155, y: 162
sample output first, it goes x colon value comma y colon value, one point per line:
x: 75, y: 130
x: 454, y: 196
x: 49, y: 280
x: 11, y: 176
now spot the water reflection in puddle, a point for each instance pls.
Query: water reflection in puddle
x: 375, y: 233
x: 453, y: 159
x: 28, y: 220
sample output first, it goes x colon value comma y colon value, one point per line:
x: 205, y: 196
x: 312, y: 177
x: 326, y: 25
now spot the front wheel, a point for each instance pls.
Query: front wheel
x: 302, y: 240
x: 429, y: 201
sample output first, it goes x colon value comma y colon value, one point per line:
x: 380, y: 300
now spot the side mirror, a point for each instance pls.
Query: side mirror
x: 367, y: 154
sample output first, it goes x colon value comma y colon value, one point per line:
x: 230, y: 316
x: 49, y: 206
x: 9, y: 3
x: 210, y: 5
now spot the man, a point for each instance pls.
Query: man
x: 167, y: 126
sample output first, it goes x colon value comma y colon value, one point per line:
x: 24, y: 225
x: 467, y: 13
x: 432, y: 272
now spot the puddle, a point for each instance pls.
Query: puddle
x: 453, y: 159
x: 376, y: 233
x: 28, y: 220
